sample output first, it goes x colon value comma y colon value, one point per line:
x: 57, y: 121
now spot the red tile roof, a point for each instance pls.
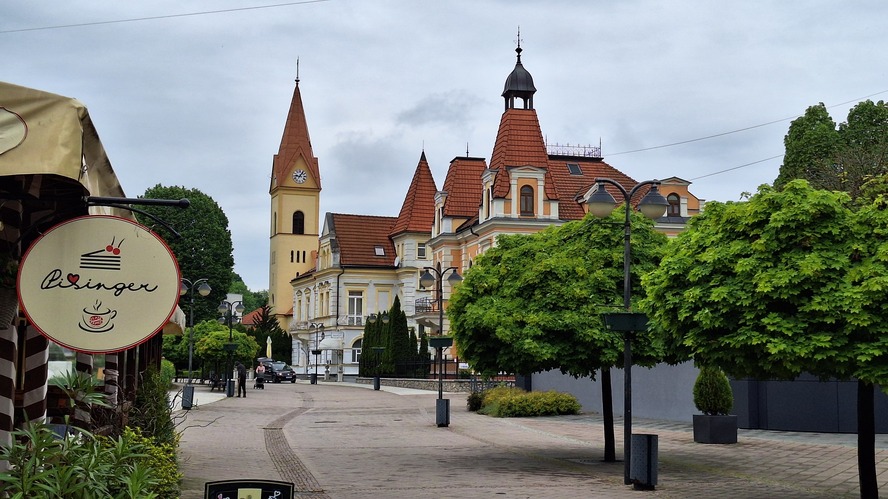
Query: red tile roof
x: 295, y: 142
x: 359, y: 235
x: 418, y: 211
x: 463, y: 187
x: 569, y: 186
x: 519, y: 142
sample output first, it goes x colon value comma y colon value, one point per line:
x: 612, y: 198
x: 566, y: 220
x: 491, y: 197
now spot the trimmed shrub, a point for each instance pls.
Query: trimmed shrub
x: 712, y: 392
x: 515, y: 402
x: 152, y: 412
x: 474, y: 401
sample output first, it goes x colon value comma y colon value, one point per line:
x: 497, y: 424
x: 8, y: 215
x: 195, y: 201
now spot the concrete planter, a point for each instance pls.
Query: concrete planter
x: 715, y: 429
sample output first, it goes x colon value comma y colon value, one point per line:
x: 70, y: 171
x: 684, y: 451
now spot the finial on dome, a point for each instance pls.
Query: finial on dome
x: 518, y: 49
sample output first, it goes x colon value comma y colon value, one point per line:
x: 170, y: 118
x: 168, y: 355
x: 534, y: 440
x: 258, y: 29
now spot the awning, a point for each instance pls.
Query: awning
x: 50, y: 153
x: 331, y: 344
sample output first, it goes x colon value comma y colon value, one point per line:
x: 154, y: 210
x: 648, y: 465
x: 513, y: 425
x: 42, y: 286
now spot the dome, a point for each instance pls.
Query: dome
x: 519, y: 84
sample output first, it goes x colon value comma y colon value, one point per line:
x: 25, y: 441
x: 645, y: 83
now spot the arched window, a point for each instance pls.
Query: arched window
x: 298, y: 223
x: 527, y: 200
x: 356, y: 351
x: 674, y: 205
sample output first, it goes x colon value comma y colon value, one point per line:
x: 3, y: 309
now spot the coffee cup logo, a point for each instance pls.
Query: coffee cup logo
x: 97, y: 319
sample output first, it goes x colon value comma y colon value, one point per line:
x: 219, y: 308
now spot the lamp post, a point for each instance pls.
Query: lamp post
x: 228, y: 310
x: 427, y: 280
x: 203, y: 288
x: 318, y: 327
x: 378, y: 349
x: 653, y: 205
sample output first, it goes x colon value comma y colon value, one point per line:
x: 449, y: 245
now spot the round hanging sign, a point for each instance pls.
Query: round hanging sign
x: 98, y: 284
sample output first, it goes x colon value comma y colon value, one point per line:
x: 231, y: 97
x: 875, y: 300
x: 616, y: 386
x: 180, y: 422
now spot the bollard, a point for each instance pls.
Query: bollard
x: 643, y: 468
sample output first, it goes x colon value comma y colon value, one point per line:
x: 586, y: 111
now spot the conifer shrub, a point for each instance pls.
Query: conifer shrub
x: 712, y: 392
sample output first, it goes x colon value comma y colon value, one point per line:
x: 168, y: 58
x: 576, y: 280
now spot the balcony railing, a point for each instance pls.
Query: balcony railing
x: 425, y: 305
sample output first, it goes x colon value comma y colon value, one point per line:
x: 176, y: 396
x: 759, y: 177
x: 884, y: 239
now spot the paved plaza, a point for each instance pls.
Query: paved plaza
x: 347, y: 441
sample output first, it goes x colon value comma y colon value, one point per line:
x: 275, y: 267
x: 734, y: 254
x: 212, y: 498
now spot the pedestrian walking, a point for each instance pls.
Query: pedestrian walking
x: 241, y: 379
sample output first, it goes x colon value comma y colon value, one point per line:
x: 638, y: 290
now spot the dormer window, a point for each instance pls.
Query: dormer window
x: 527, y: 200
x: 674, y: 209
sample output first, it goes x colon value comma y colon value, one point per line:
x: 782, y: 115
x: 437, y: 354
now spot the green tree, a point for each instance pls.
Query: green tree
x: 266, y: 326
x: 210, y: 346
x: 838, y: 159
x: 204, y: 249
x: 790, y: 281
x: 253, y: 300
x: 534, y: 302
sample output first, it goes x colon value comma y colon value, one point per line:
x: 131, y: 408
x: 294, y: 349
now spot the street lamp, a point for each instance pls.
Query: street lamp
x: 427, y: 280
x: 653, y: 205
x: 203, y: 288
x: 318, y: 327
x: 377, y: 349
x: 228, y: 311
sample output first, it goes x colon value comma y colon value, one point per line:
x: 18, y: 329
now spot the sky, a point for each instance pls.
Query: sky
x: 196, y: 93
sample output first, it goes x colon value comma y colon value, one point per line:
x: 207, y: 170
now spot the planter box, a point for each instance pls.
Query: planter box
x: 715, y: 429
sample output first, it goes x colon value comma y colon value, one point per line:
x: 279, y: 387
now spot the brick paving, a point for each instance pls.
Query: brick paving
x: 344, y: 441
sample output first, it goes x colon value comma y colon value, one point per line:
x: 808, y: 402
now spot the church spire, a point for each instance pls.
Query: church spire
x: 295, y: 142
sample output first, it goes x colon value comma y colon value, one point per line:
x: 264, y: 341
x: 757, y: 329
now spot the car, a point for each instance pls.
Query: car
x: 276, y: 371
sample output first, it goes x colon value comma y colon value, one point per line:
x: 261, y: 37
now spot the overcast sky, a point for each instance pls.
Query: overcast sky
x: 196, y: 93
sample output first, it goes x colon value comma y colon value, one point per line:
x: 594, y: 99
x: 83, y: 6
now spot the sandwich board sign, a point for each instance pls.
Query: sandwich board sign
x: 98, y: 284
x: 248, y: 489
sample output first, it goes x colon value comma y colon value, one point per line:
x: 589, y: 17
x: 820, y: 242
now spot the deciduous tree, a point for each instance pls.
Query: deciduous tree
x: 791, y: 281
x: 534, y: 302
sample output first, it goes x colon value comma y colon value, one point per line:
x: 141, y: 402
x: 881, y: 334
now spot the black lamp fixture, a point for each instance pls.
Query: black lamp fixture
x: 427, y: 280
x: 653, y: 206
x: 230, y: 311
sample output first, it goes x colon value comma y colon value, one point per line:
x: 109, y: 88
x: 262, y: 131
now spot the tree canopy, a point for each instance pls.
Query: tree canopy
x: 267, y: 326
x: 534, y: 302
x: 840, y: 159
x: 790, y: 281
x: 205, y: 249
x: 785, y: 283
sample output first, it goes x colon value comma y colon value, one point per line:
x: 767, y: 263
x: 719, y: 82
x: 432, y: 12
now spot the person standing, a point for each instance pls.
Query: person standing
x: 241, y: 379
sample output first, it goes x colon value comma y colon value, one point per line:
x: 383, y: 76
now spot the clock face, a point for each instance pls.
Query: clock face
x: 300, y: 176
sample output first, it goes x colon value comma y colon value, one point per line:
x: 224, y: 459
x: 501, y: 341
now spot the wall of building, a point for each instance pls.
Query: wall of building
x: 664, y: 392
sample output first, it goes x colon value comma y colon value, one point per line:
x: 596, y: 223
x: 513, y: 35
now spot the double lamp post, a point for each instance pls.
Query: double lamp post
x: 319, y: 335
x: 426, y: 281
x: 378, y: 349
x: 228, y: 311
x: 187, y: 287
x: 653, y: 205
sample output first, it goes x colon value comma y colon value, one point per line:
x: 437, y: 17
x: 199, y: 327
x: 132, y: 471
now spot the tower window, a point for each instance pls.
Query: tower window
x: 420, y: 251
x: 527, y: 200
x: 298, y: 223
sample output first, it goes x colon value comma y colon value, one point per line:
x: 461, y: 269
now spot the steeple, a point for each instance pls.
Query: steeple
x: 418, y: 211
x: 519, y: 83
x: 295, y: 142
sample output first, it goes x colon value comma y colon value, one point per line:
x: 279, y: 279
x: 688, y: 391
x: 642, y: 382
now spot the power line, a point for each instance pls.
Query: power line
x: 737, y: 167
x: 722, y: 134
x: 154, y: 18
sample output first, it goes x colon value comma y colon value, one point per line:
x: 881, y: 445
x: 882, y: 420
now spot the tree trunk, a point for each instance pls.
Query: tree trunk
x: 607, y: 409
x: 866, y: 441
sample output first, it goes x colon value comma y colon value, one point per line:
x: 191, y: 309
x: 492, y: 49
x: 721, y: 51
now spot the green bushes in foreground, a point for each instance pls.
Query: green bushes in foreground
x: 84, y: 466
x: 504, y: 402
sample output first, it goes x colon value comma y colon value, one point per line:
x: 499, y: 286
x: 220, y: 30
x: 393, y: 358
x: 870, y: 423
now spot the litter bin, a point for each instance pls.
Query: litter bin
x: 187, y: 396
x: 643, y: 467
x: 314, y: 378
x: 230, y: 391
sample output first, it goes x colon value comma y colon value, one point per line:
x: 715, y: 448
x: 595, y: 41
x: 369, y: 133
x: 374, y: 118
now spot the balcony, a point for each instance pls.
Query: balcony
x: 425, y: 305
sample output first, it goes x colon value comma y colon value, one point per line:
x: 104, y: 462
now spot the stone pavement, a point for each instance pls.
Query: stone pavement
x: 345, y: 440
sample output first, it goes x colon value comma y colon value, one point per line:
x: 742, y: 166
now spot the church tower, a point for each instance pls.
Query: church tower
x: 295, y: 210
